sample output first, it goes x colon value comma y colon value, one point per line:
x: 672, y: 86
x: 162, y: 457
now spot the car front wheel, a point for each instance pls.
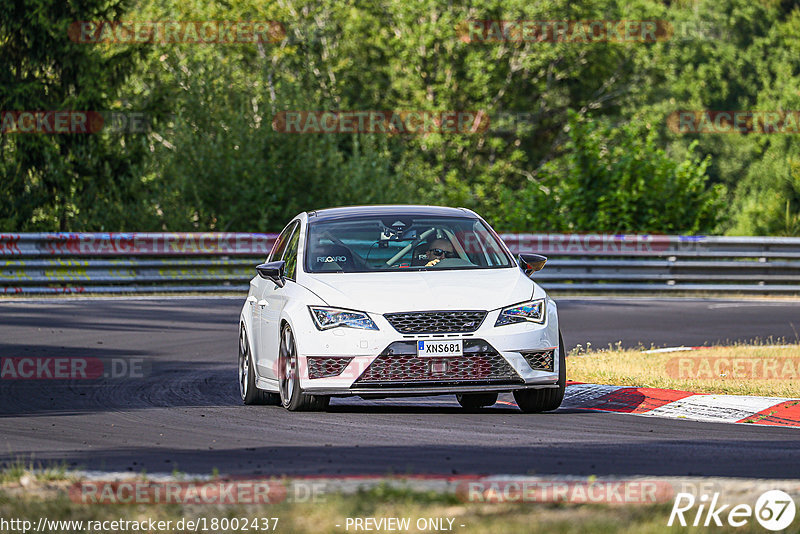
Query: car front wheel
x: 545, y: 400
x: 292, y: 398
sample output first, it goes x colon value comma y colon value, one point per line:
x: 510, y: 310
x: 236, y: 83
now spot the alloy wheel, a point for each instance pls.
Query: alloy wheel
x: 287, y: 366
x: 244, y: 363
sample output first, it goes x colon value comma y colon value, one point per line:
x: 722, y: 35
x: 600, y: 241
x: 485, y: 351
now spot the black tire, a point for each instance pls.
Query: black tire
x: 291, y: 397
x: 545, y: 400
x: 248, y: 390
x: 475, y: 401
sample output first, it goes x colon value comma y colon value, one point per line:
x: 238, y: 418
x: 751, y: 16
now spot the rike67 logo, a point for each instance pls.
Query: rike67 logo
x: 774, y: 510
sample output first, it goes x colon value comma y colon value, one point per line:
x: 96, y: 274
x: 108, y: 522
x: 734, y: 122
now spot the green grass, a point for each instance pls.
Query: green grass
x: 15, y: 471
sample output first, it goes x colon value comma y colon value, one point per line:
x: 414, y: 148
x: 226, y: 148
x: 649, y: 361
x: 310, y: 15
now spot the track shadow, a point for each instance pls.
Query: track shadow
x: 164, y: 384
x: 654, y: 458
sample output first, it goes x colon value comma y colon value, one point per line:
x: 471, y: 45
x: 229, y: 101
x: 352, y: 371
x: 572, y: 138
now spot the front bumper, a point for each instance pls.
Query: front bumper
x: 423, y: 391
x: 366, y: 362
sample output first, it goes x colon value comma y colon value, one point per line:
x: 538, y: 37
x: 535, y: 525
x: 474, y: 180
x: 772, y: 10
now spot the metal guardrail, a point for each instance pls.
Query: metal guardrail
x: 180, y: 262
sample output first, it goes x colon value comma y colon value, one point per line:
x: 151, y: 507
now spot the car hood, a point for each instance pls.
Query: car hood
x: 474, y: 289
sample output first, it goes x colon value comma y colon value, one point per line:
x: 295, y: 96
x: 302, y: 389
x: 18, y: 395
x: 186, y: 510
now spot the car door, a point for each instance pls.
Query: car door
x: 273, y: 300
x: 263, y: 359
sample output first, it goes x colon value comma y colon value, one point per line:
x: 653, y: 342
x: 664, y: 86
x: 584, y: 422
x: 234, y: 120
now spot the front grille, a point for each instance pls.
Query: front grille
x: 540, y: 360
x: 436, y: 322
x: 325, y: 367
x: 399, y: 365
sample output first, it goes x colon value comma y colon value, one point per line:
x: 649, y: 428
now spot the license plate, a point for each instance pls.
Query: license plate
x: 452, y: 347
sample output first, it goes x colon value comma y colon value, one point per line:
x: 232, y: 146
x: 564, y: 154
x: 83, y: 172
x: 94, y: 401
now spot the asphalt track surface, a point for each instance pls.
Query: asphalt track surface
x: 185, y: 414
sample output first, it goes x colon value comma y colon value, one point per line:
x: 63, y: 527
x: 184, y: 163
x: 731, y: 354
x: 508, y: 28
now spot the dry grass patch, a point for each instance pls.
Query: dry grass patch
x: 767, y: 370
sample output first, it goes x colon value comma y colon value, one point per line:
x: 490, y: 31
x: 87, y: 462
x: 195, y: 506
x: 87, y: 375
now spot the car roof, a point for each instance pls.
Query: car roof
x: 388, y: 211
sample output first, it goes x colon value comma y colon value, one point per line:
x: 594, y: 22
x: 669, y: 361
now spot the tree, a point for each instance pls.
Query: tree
x: 616, y: 179
x: 64, y: 181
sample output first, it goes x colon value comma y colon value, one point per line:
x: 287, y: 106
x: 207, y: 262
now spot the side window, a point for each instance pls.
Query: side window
x: 280, y: 243
x: 291, y: 255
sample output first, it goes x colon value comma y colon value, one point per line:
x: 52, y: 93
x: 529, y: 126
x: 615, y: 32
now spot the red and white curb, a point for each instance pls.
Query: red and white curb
x: 775, y: 411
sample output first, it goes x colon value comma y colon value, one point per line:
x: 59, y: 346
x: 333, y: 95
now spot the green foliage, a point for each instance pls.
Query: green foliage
x: 586, y: 149
x: 736, y: 55
x: 767, y: 200
x: 615, y: 179
x: 61, y: 182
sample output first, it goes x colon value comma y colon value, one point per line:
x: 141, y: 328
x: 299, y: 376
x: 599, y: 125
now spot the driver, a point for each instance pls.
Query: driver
x: 438, y: 250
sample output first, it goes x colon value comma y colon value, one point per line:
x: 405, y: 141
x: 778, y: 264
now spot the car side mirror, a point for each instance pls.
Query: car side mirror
x: 530, y: 263
x: 274, y: 271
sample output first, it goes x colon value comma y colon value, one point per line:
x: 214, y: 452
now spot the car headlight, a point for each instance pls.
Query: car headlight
x: 326, y: 318
x: 531, y: 311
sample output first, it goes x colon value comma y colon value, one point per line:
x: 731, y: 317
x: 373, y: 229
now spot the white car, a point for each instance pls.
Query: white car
x: 390, y: 301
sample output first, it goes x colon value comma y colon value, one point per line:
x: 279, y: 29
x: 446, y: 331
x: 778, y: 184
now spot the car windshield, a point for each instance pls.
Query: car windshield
x: 398, y: 243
